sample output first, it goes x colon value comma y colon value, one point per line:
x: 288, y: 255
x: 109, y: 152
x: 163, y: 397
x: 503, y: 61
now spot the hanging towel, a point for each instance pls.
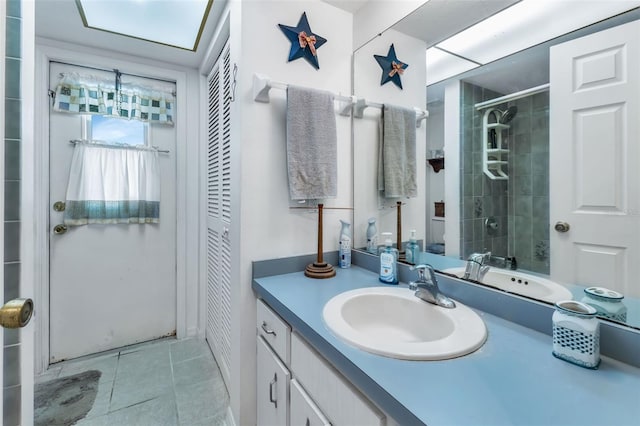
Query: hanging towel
x: 397, y: 153
x: 311, y: 144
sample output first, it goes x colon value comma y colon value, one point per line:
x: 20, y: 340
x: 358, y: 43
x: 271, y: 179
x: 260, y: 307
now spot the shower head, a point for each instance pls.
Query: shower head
x: 508, y: 114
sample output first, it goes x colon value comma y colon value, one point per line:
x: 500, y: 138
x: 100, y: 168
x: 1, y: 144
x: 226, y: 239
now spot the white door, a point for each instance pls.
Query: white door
x: 110, y: 285
x: 218, y: 164
x: 594, y: 157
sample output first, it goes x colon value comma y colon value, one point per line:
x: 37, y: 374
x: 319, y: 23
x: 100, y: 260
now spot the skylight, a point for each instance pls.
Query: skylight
x: 177, y: 23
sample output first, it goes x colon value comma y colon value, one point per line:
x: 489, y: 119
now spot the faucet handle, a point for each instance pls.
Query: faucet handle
x: 420, y: 268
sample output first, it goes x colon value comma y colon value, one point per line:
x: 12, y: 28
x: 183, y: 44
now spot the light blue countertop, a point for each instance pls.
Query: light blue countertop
x: 512, y: 380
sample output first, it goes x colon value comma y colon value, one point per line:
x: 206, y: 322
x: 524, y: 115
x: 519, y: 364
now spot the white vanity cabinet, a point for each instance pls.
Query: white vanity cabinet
x: 272, y: 392
x: 304, y: 412
x: 296, y: 386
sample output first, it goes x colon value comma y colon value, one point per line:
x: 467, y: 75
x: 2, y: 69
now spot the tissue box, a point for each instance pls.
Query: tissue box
x: 576, y: 334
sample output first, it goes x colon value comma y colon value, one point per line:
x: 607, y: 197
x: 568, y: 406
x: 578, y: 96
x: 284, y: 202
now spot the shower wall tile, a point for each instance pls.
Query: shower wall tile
x: 11, y: 406
x: 13, y: 8
x: 521, y: 165
x: 12, y: 47
x: 11, y: 336
x: 540, y: 185
x: 11, y: 200
x: 523, y: 206
x: 12, y: 78
x: 540, y: 163
x: 522, y: 184
x: 11, y: 241
x: 11, y: 346
x: 12, y: 119
x: 11, y: 159
x: 11, y: 367
x: 11, y: 281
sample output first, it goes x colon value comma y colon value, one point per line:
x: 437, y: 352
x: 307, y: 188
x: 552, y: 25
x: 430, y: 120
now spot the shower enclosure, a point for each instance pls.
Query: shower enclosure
x: 505, y: 175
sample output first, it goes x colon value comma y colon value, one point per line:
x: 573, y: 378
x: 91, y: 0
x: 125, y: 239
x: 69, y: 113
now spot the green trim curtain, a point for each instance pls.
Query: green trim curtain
x: 80, y: 94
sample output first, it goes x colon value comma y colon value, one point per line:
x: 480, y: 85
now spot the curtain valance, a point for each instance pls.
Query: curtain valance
x: 85, y: 94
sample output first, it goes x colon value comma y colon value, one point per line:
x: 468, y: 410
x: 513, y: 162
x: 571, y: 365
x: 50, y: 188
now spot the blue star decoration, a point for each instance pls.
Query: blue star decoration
x: 392, y: 68
x: 304, y: 43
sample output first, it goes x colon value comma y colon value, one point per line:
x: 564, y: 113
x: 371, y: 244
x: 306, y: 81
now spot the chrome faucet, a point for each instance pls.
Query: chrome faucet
x: 477, y: 266
x: 427, y: 288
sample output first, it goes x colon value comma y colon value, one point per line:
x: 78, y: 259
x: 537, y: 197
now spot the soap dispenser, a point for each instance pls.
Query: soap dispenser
x: 388, y: 261
x: 412, y: 249
x: 344, y: 251
x: 372, y: 237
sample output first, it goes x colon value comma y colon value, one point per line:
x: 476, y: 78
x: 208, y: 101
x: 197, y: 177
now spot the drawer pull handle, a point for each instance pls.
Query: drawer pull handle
x: 271, y: 384
x: 307, y: 423
x: 267, y: 330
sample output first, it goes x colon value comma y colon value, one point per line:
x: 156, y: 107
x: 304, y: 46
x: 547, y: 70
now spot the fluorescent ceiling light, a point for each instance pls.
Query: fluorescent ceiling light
x: 528, y: 23
x: 442, y: 65
x: 177, y: 23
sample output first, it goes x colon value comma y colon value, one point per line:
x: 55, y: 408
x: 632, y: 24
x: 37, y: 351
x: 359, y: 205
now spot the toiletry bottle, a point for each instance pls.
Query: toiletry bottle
x: 412, y: 250
x: 388, y: 261
x: 344, y: 252
x: 372, y: 237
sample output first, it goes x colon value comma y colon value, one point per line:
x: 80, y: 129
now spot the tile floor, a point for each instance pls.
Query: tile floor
x: 164, y: 382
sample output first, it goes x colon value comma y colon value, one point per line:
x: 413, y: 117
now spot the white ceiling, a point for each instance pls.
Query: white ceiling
x: 60, y: 20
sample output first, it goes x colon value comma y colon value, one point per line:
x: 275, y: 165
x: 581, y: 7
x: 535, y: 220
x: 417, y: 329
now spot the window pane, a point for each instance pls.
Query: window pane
x: 116, y: 130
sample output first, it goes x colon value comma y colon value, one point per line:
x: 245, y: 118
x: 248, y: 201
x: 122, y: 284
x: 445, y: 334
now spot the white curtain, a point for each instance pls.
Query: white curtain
x: 113, y: 185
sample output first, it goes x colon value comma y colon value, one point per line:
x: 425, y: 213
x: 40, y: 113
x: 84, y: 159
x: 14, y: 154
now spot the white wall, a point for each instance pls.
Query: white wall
x: 435, y: 185
x: 452, y: 177
x: 268, y: 227
x: 367, y: 75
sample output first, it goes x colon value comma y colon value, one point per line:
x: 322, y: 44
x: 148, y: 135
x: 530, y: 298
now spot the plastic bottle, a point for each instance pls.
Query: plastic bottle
x: 388, y: 261
x: 412, y: 250
x: 372, y: 237
x: 344, y: 251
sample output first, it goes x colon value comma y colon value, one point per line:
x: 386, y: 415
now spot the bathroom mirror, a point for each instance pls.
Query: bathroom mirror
x: 509, y: 217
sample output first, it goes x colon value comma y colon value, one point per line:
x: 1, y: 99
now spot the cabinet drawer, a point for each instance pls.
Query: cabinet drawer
x: 272, y: 388
x: 304, y: 412
x: 274, y: 330
x: 340, y: 401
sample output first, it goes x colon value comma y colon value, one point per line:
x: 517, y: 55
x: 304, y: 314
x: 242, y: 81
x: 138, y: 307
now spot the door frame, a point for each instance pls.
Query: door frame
x: 37, y: 238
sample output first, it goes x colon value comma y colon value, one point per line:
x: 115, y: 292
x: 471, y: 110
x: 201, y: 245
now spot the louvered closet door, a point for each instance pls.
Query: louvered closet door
x: 218, y: 331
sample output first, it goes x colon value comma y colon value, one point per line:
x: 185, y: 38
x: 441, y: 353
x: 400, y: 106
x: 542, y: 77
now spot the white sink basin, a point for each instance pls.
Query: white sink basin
x: 520, y: 283
x: 392, y: 322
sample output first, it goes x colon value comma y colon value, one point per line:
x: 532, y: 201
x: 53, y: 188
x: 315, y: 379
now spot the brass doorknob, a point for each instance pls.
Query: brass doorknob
x: 16, y: 313
x: 59, y: 229
x: 562, y: 226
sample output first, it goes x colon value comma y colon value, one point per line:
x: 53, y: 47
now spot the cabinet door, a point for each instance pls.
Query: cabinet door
x: 272, y: 393
x: 303, y: 411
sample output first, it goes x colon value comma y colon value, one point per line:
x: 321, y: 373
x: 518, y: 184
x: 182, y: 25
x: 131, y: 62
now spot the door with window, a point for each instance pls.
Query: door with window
x: 594, y: 152
x: 110, y: 285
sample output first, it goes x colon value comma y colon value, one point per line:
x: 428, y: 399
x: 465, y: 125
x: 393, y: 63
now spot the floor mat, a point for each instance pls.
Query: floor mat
x: 66, y: 400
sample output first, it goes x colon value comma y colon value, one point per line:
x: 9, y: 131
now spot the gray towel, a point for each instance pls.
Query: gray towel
x: 397, y: 153
x: 311, y: 144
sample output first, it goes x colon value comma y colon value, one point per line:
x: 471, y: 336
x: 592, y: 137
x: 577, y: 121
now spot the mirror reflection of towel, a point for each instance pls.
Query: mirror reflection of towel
x: 311, y: 144
x: 397, y: 153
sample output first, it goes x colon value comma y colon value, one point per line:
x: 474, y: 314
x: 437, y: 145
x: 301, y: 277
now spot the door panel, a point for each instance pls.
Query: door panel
x: 110, y: 285
x: 594, y: 152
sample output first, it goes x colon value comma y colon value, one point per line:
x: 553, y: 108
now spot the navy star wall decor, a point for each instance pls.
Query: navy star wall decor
x: 392, y: 68
x: 304, y: 43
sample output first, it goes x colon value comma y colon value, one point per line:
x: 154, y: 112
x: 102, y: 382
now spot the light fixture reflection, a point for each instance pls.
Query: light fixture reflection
x: 442, y: 65
x: 528, y: 23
